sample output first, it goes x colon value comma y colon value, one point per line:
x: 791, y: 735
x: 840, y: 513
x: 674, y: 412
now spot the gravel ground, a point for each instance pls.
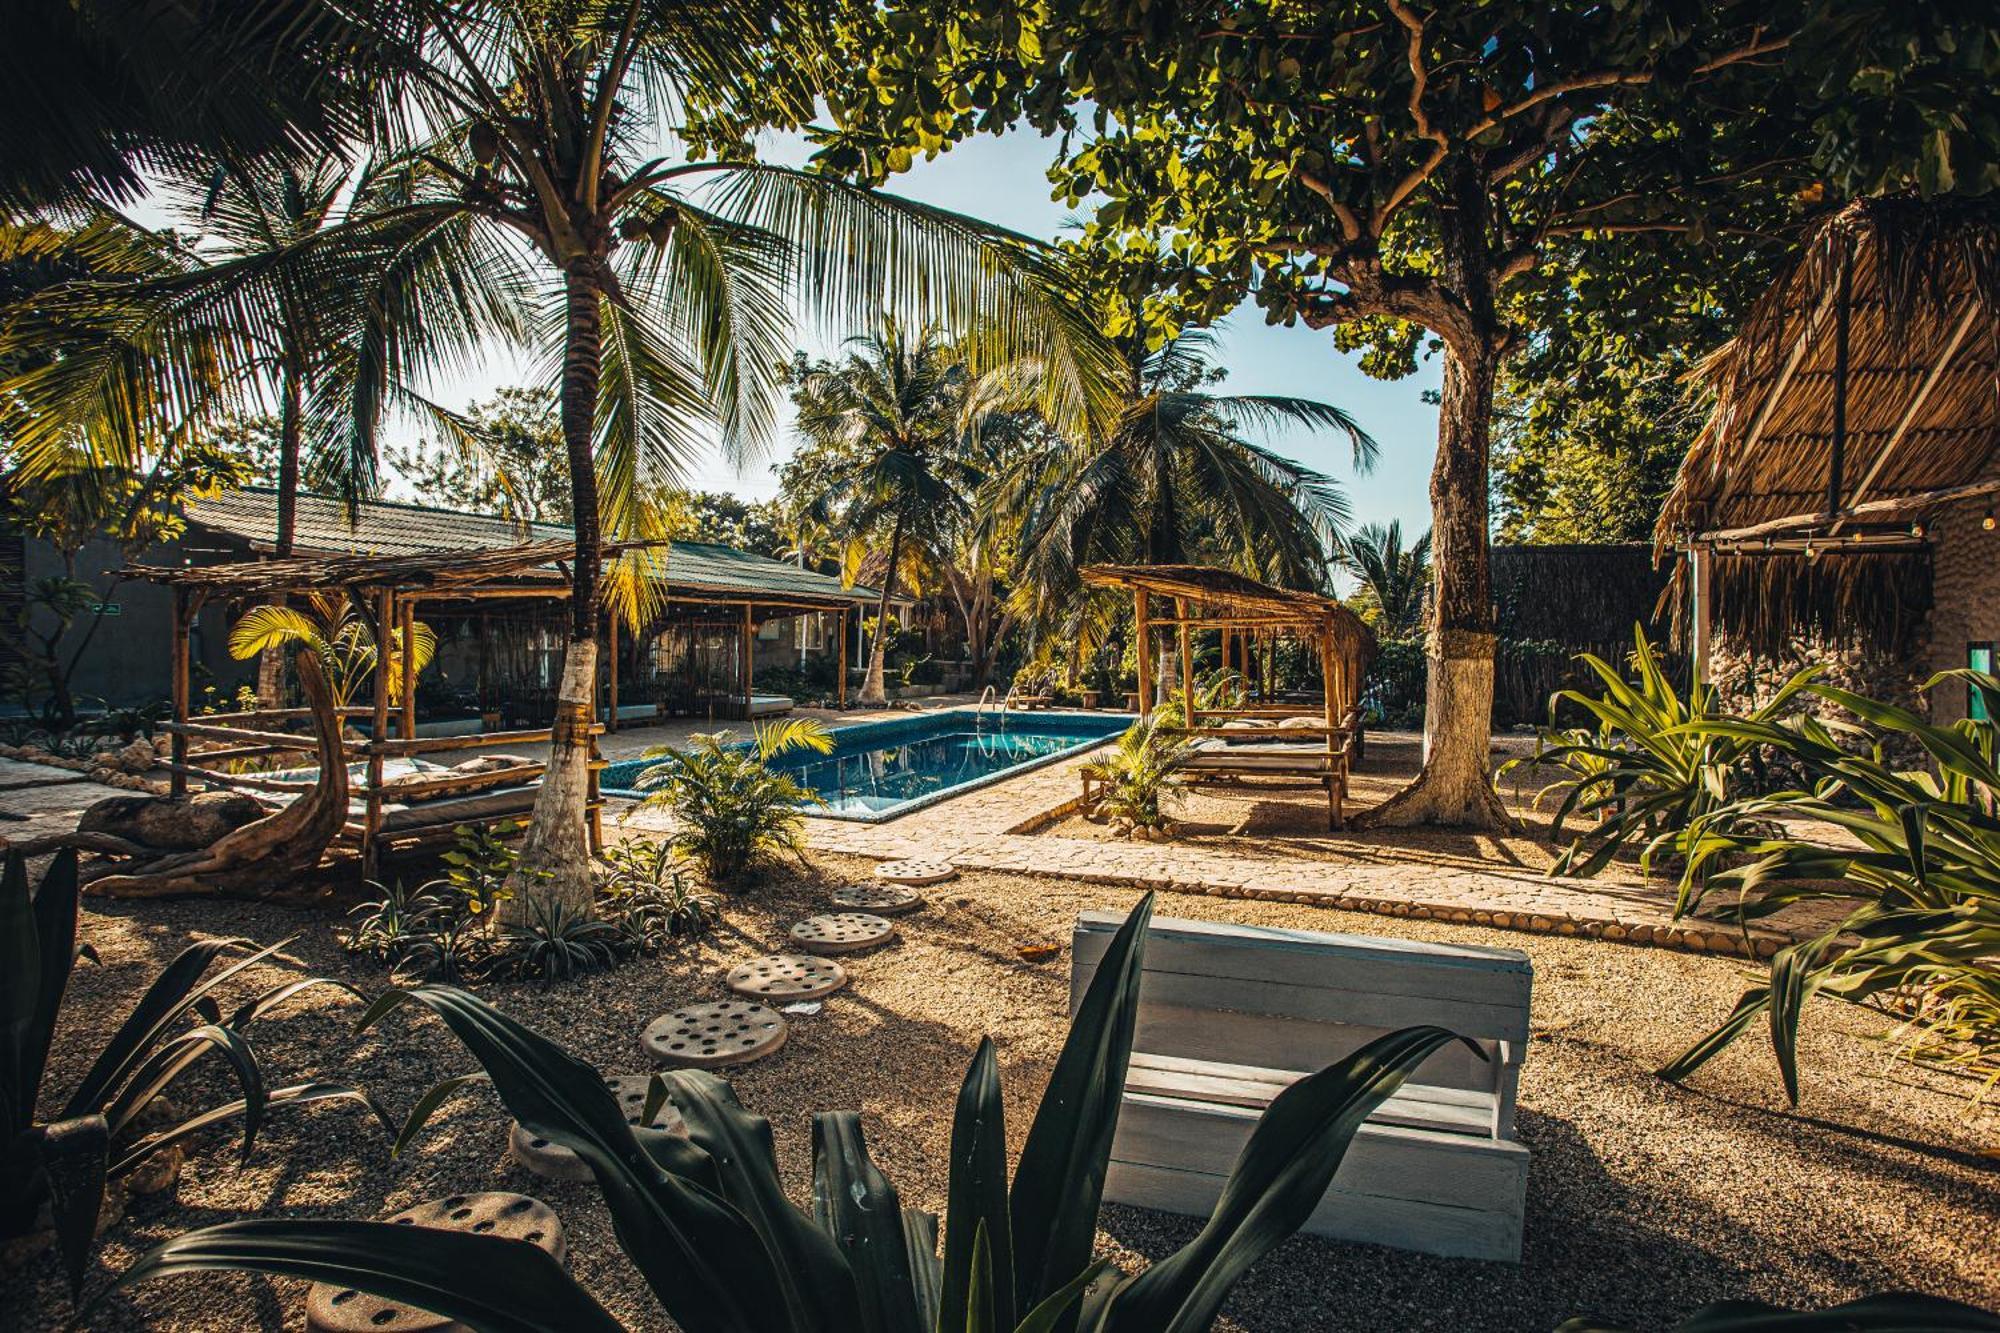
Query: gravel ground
x: 1644, y: 1200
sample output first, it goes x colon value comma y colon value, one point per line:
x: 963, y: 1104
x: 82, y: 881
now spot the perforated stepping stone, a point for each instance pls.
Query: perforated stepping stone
x: 842, y: 932
x: 331, y: 1308
x: 916, y: 871
x: 786, y: 976
x: 881, y: 899
x: 555, y: 1162
x: 705, y: 1036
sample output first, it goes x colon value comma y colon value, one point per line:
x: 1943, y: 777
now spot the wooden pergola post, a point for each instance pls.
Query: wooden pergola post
x: 408, y: 657
x: 611, y: 656
x: 840, y: 676
x: 749, y: 633
x: 371, y: 819
x: 1145, y: 630
x: 1187, y: 663
x: 177, y: 784
x: 1701, y: 596
x: 1334, y: 698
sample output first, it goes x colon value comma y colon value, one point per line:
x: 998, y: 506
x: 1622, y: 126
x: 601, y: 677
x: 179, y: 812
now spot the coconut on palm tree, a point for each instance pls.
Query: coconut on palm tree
x: 600, y: 149
x: 1174, y: 480
x: 1394, y: 582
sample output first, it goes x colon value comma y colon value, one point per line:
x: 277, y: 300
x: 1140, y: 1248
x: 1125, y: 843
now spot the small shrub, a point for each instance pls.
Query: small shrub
x: 1138, y: 775
x: 557, y: 944
x: 728, y: 804
x: 648, y: 898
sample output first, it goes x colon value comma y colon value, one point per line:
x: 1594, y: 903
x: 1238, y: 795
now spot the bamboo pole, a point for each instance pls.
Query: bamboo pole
x: 178, y: 785
x: 1187, y: 663
x: 611, y: 634
x: 1145, y: 632
x: 1335, y: 780
x: 749, y: 633
x: 371, y: 822
x: 840, y: 679
x: 408, y: 657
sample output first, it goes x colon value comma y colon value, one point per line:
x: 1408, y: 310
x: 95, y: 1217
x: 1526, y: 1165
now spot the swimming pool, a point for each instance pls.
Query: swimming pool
x: 879, y: 770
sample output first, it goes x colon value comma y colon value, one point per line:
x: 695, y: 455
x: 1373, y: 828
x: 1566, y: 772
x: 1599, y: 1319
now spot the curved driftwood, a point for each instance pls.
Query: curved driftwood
x: 110, y: 844
x: 262, y: 857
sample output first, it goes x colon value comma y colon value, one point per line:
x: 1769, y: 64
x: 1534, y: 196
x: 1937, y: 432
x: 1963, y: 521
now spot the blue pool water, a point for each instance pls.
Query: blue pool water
x: 881, y: 769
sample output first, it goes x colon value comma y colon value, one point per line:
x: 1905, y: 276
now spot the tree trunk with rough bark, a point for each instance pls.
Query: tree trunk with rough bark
x: 1455, y: 786
x: 874, y: 692
x: 553, y: 869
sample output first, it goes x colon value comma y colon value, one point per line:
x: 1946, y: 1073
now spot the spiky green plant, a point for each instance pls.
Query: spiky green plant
x: 1923, y: 940
x: 728, y: 803
x: 1137, y: 773
x: 706, y: 1221
x: 326, y: 626
x: 1649, y: 768
x: 54, y: 1172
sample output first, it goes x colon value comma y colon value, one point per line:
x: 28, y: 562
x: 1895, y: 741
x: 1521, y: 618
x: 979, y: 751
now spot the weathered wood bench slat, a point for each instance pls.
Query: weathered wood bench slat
x: 1230, y: 1016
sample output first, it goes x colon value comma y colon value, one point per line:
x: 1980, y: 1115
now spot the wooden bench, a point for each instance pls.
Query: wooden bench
x: 1229, y: 1016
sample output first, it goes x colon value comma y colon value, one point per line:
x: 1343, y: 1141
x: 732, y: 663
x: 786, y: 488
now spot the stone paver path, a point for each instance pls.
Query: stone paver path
x: 39, y: 800
x: 993, y: 828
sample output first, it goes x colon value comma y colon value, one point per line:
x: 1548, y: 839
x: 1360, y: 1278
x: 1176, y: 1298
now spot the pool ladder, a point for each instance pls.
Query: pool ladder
x: 987, y: 697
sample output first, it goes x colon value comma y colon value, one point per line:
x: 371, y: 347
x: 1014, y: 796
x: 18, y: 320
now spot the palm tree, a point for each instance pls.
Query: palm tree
x: 1172, y: 480
x: 565, y: 142
x: 343, y: 642
x: 1395, y: 583
x: 890, y: 424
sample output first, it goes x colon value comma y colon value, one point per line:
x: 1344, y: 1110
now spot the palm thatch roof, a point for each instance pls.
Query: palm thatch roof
x: 1862, y: 392
x: 532, y: 566
x: 1223, y: 594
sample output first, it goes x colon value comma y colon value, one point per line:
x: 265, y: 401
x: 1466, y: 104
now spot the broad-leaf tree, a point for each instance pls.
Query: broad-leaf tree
x: 1389, y: 169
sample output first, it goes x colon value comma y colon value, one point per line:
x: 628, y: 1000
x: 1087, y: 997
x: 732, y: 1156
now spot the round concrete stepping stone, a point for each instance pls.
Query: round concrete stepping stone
x: 331, y: 1308
x: 917, y: 870
x: 556, y: 1162
x: 842, y: 932
x: 881, y: 899
x: 786, y: 976
x: 704, y: 1036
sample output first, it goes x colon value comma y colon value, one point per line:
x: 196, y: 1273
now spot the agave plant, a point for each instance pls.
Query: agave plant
x: 1136, y: 775
x: 645, y: 894
x: 706, y: 1220
x: 55, y: 1173
x: 1649, y: 768
x: 342, y: 640
x: 729, y: 805
x: 1924, y: 940
x: 557, y: 944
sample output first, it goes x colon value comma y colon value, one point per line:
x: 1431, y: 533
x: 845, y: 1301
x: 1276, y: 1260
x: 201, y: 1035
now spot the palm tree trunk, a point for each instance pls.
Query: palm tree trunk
x: 554, y: 865
x: 271, y: 662
x: 873, y: 692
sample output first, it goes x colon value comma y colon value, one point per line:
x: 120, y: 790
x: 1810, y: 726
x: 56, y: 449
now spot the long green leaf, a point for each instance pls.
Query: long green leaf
x: 487, y: 1283
x: 977, y: 1198
x: 297, y: 1095
x: 818, y: 1286
x: 73, y: 1160
x: 1277, y: 1181
x: 701, y: 1257
x: 54, y: 940
x: 855, y: 1204
x: 1059, y: 1181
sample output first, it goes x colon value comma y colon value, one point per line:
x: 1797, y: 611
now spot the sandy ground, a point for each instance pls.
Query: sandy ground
x: 1644, y: 1200
x: 1274, y: 819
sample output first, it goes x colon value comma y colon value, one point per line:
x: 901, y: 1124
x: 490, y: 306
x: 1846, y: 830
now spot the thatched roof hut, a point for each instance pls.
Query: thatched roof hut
x: 1857, y: 409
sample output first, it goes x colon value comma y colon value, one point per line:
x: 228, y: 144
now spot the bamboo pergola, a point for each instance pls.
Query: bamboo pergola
x: 1250, y: 617
x: 388, y: 589
x: 1860, y: 399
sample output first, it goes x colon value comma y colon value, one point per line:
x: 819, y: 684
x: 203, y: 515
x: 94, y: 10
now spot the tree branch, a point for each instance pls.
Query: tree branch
x: 1419, y: 82
x: 1350, y: 221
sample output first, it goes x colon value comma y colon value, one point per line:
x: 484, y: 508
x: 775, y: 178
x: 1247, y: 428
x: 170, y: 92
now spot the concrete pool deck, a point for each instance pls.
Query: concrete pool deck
x: 998, y: 828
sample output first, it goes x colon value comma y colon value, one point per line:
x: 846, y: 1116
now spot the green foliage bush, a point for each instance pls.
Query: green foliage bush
x: 729, y: 805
